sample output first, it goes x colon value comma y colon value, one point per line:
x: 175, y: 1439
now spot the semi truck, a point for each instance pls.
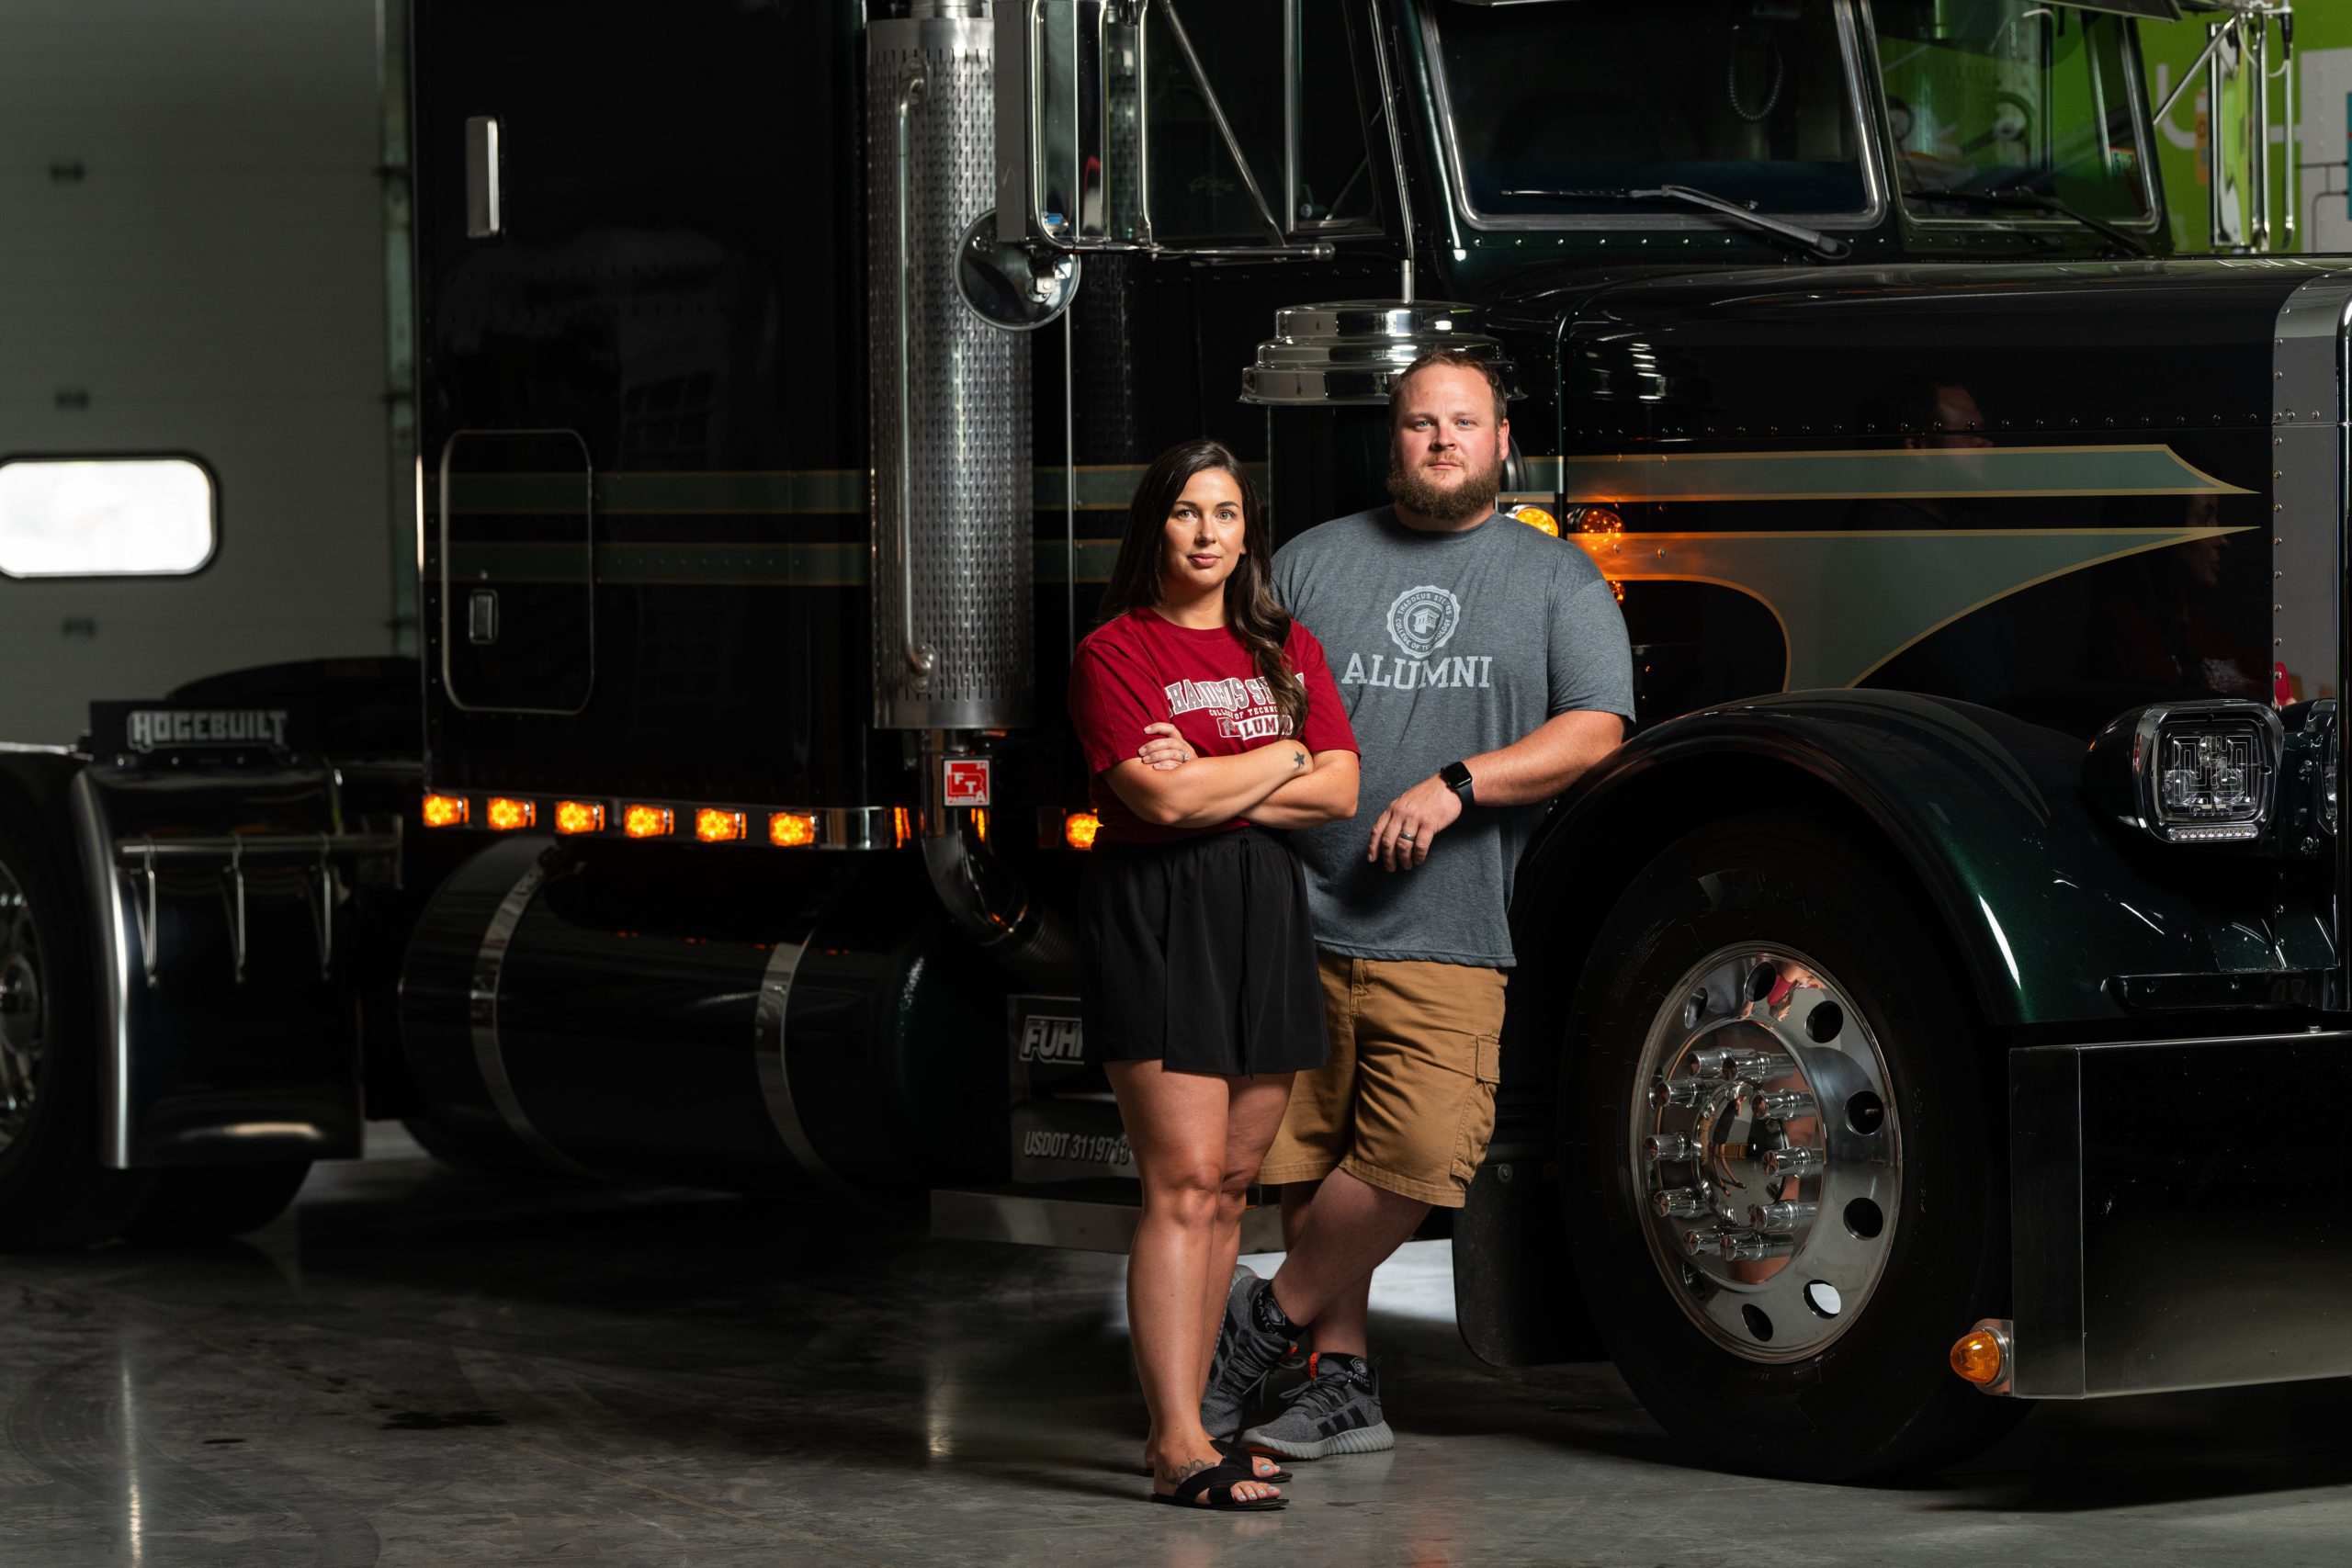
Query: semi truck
x: 1902, y: 1014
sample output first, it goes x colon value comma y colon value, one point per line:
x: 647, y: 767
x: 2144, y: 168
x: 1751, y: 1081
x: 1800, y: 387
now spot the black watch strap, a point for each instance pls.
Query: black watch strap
x: 1456, y: 776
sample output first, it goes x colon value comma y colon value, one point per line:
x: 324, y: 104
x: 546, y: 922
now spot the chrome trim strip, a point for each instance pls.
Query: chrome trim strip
x: 1874, y: 182
x: 769, y: 1021
x: 93, y: 844
x: 2308, y: 492
x: 482, y: 999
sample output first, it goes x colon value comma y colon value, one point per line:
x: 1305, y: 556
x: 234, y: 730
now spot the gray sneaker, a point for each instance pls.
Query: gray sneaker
x: 1245, y: 1353
x: 1335, y: 1411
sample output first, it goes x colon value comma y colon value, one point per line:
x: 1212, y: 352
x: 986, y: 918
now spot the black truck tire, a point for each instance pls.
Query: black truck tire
x: 53, y: 1190
x: 208, y: 1203
x: 1746, y: 944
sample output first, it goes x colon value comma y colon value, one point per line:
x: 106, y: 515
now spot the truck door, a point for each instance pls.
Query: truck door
x: 518, y: 558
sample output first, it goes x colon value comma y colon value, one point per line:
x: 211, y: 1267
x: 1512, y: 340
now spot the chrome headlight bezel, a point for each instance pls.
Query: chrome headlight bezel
x: 2235, y: 741
x: 2324, y: 718
x: 2308, y: 810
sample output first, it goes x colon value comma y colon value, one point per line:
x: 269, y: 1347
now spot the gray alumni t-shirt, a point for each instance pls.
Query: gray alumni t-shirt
x: 1444, y: 645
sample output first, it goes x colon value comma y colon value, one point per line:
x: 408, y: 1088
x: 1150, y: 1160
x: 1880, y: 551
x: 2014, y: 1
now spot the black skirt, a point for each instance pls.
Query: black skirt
x: 1200, y: 954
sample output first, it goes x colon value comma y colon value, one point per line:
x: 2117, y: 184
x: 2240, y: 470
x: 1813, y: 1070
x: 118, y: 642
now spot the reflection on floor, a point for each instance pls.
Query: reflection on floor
x: 423, y: 1366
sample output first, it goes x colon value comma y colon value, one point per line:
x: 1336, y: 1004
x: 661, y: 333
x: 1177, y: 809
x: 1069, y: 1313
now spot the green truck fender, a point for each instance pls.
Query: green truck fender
x: 1980, y: 815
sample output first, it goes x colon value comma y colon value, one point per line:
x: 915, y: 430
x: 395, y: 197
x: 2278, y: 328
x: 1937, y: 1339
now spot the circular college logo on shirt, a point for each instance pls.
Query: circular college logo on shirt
x: 1423, y: 618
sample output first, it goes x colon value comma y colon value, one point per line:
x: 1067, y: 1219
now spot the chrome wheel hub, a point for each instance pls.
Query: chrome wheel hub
x: 23, y: 1017
x: 1766, y: 1152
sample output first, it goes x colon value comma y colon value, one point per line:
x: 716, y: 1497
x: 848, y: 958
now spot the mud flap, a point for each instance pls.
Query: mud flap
x: 1515, y: 1294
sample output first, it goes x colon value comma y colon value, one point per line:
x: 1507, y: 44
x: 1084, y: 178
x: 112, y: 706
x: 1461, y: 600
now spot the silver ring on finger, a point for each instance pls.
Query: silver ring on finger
x: 1407, y: 837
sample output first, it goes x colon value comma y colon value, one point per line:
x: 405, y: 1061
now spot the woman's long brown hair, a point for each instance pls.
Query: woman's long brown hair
x: 1250, y: 607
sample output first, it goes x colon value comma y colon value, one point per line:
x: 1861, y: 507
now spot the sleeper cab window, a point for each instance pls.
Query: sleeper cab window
x: 106, y: 517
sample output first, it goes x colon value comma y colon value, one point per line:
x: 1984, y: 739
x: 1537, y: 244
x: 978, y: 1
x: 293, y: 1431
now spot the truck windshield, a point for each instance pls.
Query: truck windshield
x: 2009, y: 95
x: 1748, y: 99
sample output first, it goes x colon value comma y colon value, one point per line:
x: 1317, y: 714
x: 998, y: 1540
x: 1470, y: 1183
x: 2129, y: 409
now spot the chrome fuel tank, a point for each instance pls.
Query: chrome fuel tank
x: 672, y: 1015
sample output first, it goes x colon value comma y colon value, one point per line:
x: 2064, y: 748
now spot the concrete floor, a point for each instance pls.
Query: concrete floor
x: 426, y: 1367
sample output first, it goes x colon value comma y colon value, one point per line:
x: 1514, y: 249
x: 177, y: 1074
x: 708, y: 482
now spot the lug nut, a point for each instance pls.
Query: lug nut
x: 1747, y: 1247
x: 1679, y: 1203
x: 1754, y: 1067
x: 1781, y: 1105
x: 1684, y: 1093
x: 1703, y: 1242
x: 1781, y: 1217
x: 1796, y: 1160
x: 1663, y: 1147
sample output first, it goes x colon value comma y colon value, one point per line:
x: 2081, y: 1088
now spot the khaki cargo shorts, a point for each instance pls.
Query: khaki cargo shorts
x: 1405, y: 1100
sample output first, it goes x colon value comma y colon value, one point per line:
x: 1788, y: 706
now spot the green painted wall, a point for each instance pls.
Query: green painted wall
x: 2169, y: 48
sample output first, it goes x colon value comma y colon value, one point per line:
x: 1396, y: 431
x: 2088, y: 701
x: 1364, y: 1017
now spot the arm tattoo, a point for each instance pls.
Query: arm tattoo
x: 1298, y: 759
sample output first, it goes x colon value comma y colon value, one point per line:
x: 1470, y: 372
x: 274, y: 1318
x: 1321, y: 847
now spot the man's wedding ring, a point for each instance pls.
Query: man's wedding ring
x: 1407, y: 837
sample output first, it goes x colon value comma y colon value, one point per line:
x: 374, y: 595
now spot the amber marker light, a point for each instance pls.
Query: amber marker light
x: 1078, y: 829
x: 791, y: 829
x: 506, y: 814
x: 1538, y: 519
x: 1603, y: 520
x: 1980, y: 1356
x: 578, y: 817
x: 713, y: 826
x: 445, y: 810
x: 647, y: 821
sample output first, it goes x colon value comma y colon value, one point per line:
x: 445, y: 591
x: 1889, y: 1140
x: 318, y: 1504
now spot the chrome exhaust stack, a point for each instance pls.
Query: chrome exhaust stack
x: 953, y: 553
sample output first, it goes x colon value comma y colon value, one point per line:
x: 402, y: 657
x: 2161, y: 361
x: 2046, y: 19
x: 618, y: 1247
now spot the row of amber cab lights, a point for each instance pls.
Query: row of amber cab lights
x: 709, y: 824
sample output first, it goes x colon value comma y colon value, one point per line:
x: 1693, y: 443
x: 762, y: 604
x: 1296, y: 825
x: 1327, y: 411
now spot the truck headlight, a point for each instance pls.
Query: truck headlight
x: 2190, y: 772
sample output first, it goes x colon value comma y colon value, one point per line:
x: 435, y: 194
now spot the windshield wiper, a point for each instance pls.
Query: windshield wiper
x: 1828, y: 247
x: 2018, y: 199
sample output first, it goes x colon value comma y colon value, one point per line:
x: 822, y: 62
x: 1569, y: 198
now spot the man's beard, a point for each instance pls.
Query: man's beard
x: 1473, y: 497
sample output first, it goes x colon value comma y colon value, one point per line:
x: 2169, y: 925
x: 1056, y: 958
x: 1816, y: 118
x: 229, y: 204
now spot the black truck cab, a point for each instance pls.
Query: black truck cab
x: 1909, y: 976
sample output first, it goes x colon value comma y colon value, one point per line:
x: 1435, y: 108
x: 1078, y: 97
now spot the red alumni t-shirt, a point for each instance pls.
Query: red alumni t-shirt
x: 1144, y: 668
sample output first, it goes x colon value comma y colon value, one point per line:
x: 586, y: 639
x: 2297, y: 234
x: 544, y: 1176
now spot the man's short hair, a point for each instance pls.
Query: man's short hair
x: 1449, y: 358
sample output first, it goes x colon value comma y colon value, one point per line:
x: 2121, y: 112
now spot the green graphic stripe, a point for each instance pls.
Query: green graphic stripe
x: 779, y: 492
x: 811, y: 565
x: 1848, y: 602
x: 1928, y: 473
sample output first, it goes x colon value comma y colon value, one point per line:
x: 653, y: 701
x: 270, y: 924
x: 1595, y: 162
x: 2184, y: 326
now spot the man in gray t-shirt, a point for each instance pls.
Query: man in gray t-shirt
x: 1484, y: 667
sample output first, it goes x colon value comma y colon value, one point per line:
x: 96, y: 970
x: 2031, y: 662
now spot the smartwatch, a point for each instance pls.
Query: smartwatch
x: 1456, y: 776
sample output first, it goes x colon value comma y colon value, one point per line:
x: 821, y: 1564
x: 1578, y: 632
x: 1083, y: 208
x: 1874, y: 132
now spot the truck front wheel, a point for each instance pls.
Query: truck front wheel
x: 1777, y: 1107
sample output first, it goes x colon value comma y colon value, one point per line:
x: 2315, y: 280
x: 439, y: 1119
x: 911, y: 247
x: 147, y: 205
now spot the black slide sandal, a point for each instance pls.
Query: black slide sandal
x: 1225, y: 1476
x: 1231, y: 1448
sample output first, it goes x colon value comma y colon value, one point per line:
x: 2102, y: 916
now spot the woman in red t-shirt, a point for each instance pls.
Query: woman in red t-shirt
x: 1209, y: 717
